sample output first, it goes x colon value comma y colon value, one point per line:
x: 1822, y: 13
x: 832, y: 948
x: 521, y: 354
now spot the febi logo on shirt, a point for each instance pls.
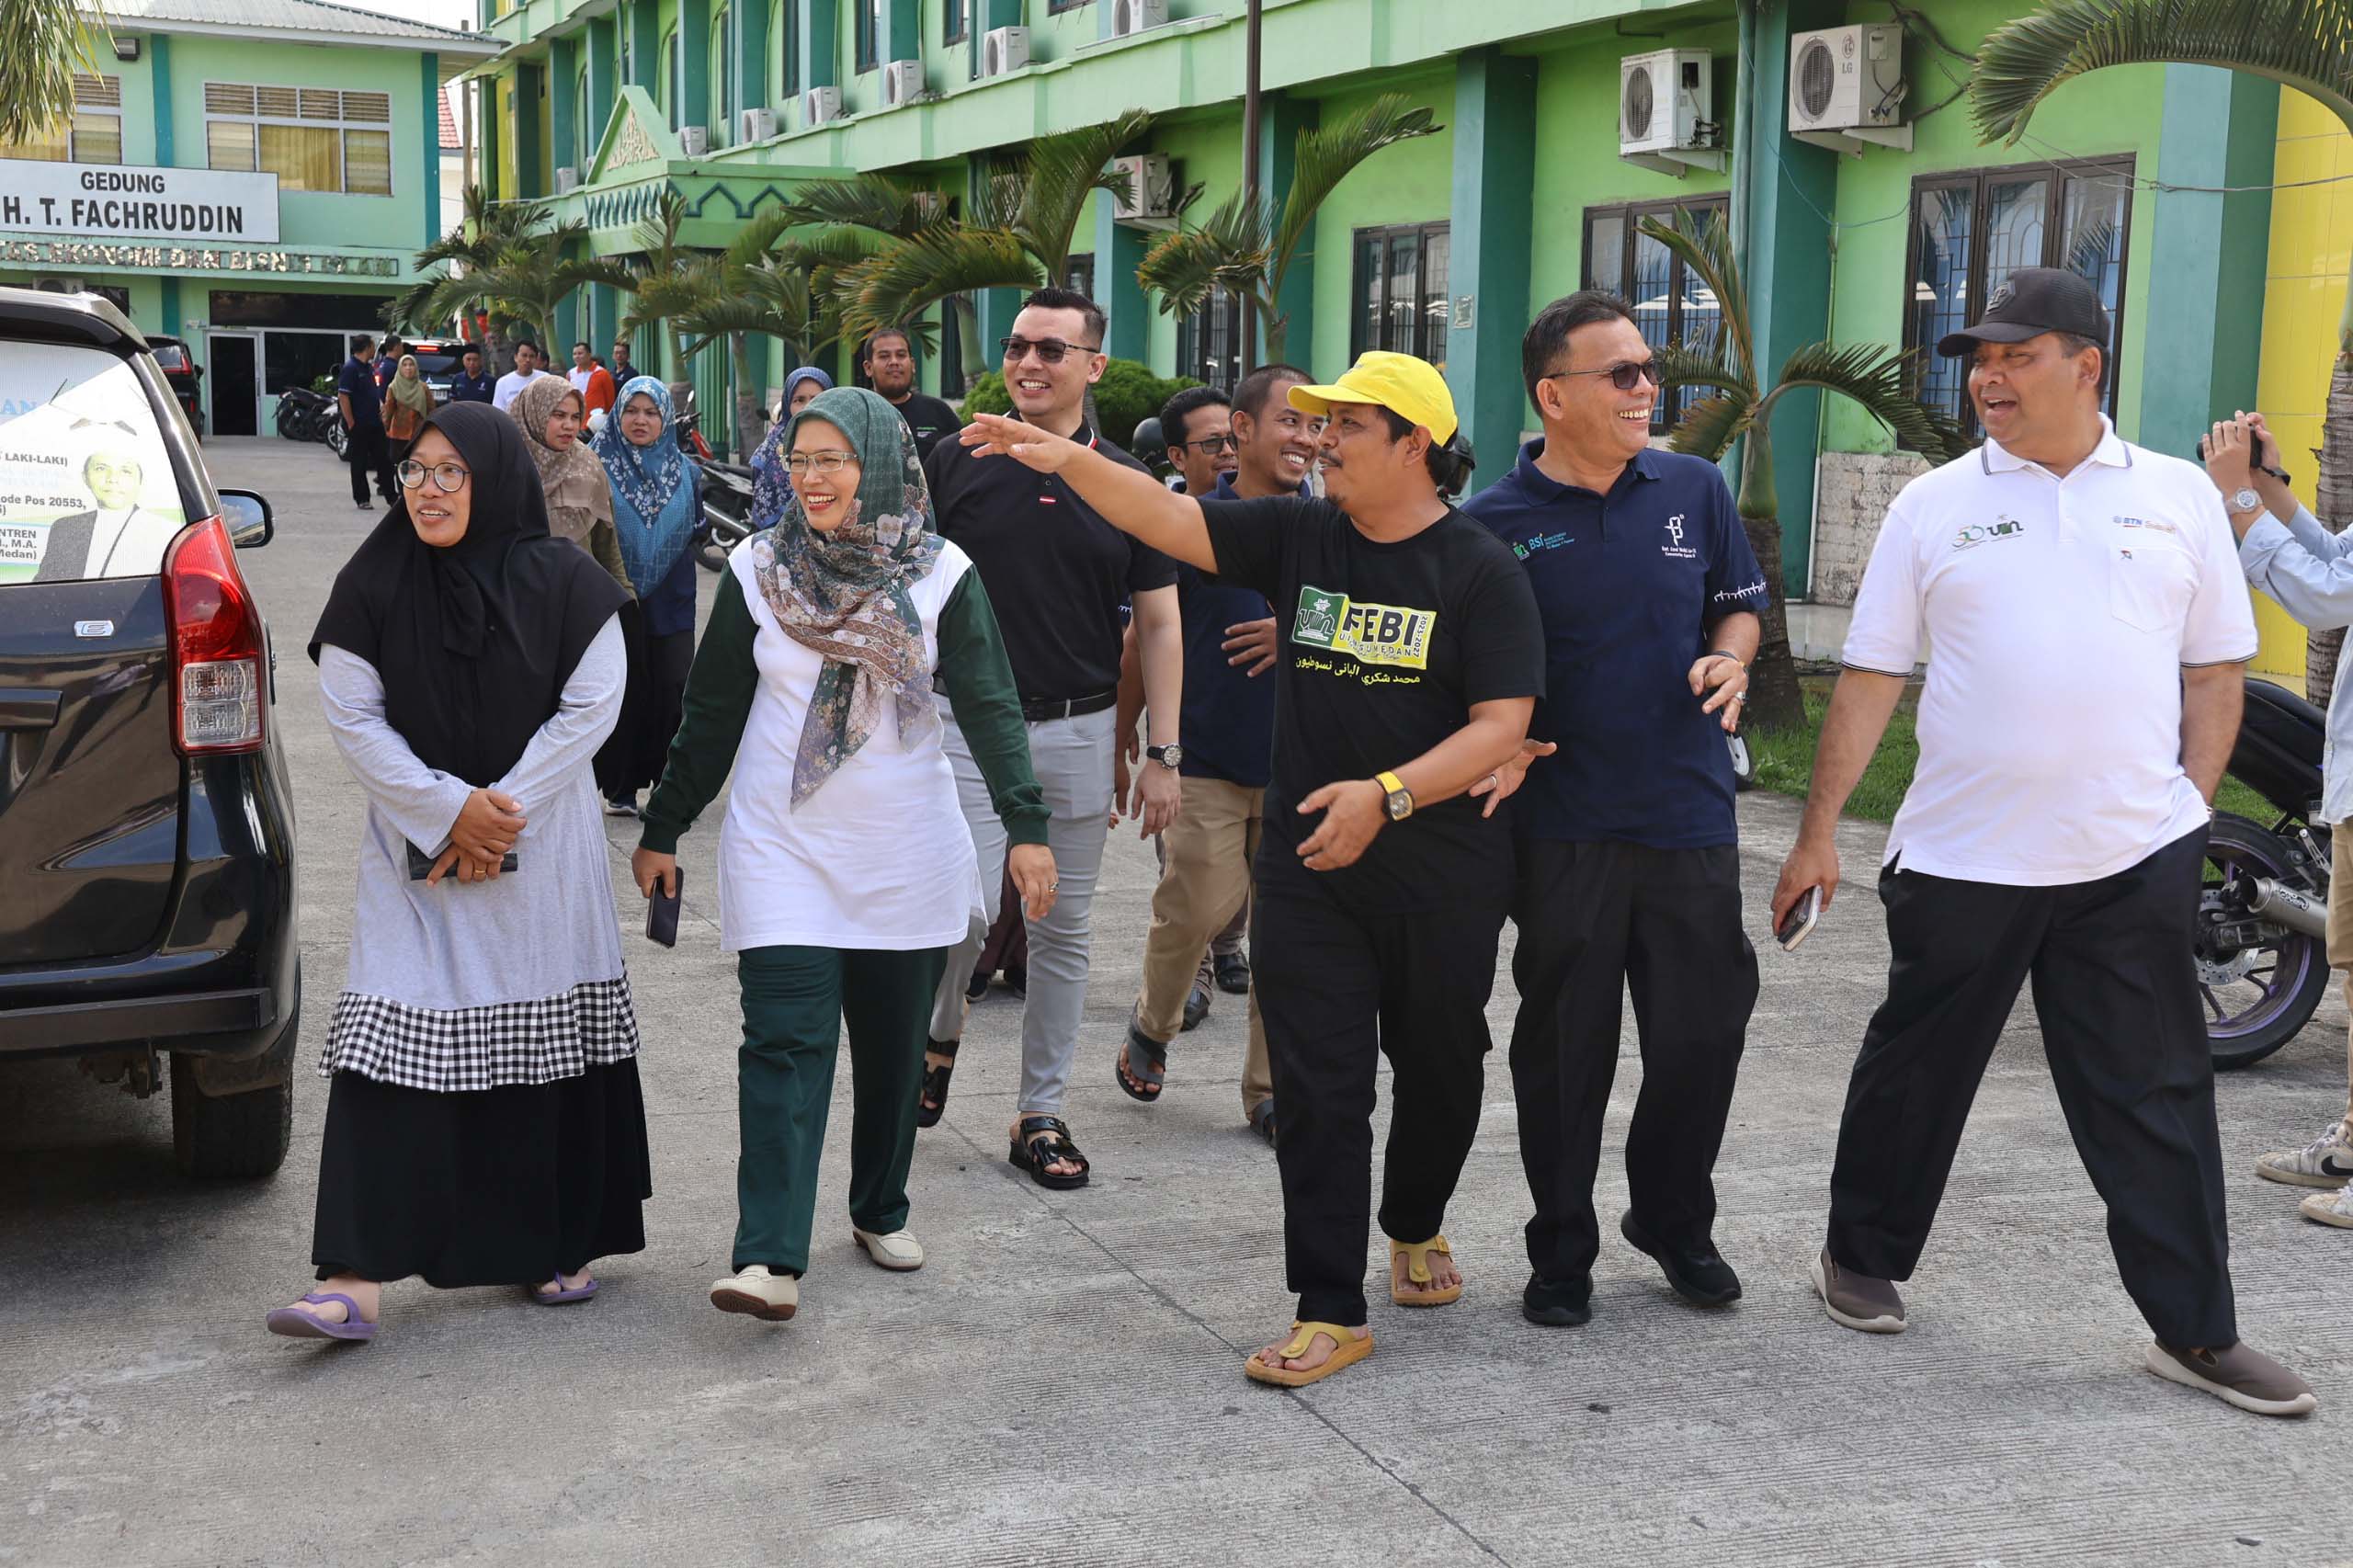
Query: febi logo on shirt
x: 1974, y: 534
x: 1372, y: 634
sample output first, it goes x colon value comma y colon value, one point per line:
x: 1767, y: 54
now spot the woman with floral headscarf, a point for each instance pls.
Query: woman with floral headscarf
x: 845, y: 871
x: 657, y: 512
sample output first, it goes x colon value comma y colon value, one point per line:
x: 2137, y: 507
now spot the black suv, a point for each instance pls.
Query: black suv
x: 146, y: 827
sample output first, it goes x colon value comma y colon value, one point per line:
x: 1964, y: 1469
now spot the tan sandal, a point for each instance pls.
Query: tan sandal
x: 1348, y: 1349
x: 1417, y: 1270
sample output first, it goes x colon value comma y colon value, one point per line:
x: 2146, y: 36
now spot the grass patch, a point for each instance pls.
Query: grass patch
x: 1784, y: 763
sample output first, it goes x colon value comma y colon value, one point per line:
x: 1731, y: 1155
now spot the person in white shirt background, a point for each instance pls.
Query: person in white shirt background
x: 2090, y: 629
x: 527, y: 371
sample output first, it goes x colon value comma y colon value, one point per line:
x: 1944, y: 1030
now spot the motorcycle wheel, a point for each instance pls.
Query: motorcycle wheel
x: 1743, y: 767
x: 290, y: 425
x: 2256, y: 999
x: 338, y: 440
x: 712, y: 555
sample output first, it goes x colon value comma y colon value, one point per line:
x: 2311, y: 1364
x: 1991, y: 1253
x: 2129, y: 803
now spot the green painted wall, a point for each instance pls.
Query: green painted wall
x: 1410, y: 183
x: 1206, y: 150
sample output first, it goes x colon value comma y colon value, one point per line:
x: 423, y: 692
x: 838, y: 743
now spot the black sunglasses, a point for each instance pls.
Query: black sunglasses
x: 1625, y: 375
x: 1049, y: 350
x: 1209, y: 445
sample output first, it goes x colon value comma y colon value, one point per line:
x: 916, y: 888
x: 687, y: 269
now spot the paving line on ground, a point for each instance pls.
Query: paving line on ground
x: 1041, y: 1195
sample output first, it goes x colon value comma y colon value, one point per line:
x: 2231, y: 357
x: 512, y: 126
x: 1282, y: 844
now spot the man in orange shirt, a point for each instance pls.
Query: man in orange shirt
x: 591, y: 380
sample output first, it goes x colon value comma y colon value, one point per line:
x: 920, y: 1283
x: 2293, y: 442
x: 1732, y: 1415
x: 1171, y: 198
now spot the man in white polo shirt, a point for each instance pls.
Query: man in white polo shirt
x: 2088, y: 627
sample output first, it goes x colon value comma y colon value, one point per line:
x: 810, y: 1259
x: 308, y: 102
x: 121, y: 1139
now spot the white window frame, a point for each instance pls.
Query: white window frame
x: 342, y: 125
x: 98, y: 98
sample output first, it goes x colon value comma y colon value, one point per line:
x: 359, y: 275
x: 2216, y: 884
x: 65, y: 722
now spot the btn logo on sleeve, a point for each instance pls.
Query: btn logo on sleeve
x: 1370, y: 634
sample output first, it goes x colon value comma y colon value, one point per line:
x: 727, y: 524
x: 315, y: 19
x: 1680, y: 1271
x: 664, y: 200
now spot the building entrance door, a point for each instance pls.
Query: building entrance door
x: 234, y: 382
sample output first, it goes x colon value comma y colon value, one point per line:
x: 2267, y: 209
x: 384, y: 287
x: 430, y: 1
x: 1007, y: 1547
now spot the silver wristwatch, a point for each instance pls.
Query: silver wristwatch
x: 2243, y: 499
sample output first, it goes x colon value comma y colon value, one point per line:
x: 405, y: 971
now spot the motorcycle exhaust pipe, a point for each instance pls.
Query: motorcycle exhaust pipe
x: 2297, y: 910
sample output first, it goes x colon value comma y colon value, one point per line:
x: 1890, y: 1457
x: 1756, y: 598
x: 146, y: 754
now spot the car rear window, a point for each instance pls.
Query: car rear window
x: 87, y: 486
x: 170, y: 356
x: 434, y: 364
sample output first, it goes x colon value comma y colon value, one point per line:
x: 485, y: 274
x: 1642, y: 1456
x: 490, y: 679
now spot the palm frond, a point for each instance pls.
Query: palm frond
x: 1710, y: 426
x: 1682, y: 366
x: 1061, y: 176
x: 1706, y: 249
x: 1229, y: 250
x: 871, y: 201
x: 657, y: 238
x: 2306, y: 44
x: 1328, y: 154
x: 757, y: 237
x: 897, y: 284
x: 1885, y: 383
x: 49, y: 40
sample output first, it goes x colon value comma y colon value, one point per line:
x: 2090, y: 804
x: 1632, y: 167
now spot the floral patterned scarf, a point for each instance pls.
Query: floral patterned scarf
x: 846, y: 593
x: 771, y: 486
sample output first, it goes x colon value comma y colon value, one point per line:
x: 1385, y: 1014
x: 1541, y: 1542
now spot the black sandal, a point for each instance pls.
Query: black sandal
x: 1152, y: 1074
x: 1051, y: 1145
x: 933, y: 1103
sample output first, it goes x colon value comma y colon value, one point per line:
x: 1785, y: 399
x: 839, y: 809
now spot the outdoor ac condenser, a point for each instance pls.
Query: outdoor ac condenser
x: 902, y: 82
x: 1666, y: 110
x: 566, y: 178
x: 1004, y: 49
x: 1137, y: 16
x: 755, y: 124
x: 694, y: 140
x: 1152, y: 189
x: 819, y: 105
x: 1847, y: 86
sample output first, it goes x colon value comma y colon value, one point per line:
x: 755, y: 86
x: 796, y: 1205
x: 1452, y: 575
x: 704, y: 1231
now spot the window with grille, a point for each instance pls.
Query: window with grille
x: 1670, y: 305
x: 583, y: 126
x: 310, y: 138
x: 870, y: 33
x: 674, y: 78
x: 788, y: 50
x: 1078, y: 274
x: 91, y: 134
x: 1209, y: 341
x: 723, y: 35
x: 1970, y: 230
x: 1399, y: 302
x: 956, y: 21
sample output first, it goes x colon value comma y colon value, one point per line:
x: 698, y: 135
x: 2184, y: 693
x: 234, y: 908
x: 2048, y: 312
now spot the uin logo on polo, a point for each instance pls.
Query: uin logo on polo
x: 1970, y: 535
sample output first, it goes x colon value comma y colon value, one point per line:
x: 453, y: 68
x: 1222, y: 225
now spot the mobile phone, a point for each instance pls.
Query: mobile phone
x: 661, y: 910
x: 1798, y: 924
x: 2255, y: 461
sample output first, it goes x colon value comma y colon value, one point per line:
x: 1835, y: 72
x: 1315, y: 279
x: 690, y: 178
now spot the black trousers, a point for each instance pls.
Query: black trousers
x: 2122, y: 1029
x: 1338, y: 988
x: 370, y: 453
x: 1596, y: 921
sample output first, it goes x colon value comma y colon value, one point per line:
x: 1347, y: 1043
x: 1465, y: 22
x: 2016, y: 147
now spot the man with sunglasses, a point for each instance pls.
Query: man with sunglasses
x: 1628, y: 864
x: 1057, y: 574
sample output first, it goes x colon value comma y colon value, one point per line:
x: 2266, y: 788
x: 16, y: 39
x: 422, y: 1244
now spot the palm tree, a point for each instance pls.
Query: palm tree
x: 1880, y: 379
x: 2303, y: 44
x: 48, y: 41
x: 502, y: 259
x: 1246, y: 247
x: 667, y: 279
x: 752, y: 288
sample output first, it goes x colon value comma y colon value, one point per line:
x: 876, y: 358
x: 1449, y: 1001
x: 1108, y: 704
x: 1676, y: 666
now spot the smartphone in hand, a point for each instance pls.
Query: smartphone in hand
x: 661, y: 910
x: 1799, y: 923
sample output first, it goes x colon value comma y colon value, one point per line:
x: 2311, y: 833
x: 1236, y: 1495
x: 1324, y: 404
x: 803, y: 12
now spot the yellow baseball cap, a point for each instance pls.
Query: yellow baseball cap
x: 1409, y: 388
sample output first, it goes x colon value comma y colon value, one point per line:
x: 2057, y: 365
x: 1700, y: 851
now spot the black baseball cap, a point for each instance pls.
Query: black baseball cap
x: 2029, y: 302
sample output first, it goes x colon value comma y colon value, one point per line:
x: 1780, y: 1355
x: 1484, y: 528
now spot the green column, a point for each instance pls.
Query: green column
x: 528, y: 161
x: 1495, y: 125
x: 1790, y: 184
x: 902, y: 30
x: 604, y: 82
x: 564, y: 107
x: 644, y: 23
x: 430, y: 69
x: 159, y: 68
x: 751, y: 57
x: 1119, y: 251
x: 173, y: 327
x: 2205, y: 276
x: 1282, y: 119
x: 694, y: 42
x: 820, y: 61
x: 490, y: 131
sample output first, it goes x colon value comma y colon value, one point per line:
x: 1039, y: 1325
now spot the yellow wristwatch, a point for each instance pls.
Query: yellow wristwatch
x: 1400, y: 799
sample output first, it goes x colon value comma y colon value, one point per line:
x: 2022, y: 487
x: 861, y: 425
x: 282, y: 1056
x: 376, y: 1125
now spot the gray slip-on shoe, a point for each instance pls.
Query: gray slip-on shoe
x: 2236, y: 1374
x: 1856, y: 1301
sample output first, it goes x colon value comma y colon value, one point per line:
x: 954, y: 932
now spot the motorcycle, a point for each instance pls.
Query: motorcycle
x: 2261, y: 946
x: 726, y: 512
x: 299, y: 413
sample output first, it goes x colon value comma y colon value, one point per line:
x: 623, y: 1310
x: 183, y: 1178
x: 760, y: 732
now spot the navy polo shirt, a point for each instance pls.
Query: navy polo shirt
x: 1228, y: 718
x: 358, y: 383
x: 1629, y: 584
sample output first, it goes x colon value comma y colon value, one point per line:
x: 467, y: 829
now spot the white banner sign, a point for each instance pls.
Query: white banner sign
x: 102, y: 201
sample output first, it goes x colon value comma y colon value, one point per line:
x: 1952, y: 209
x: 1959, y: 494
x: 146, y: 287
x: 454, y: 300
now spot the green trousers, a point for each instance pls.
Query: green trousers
x: 795, y: 1003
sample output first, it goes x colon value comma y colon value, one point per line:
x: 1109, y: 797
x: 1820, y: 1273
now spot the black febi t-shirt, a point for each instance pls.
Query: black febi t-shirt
x: 1381, y: 651
x: 1057, y: 573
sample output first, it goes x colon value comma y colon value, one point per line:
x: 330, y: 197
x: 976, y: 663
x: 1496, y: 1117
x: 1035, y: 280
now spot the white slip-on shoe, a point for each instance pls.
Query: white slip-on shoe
x: 899, y: 1251
x: 2330, y: 1208
x: 752, y: 1290
x: 2326, y: 1161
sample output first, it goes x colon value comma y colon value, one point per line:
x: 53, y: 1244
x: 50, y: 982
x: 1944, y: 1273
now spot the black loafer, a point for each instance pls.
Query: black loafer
x: 1197, y: 1007
x: 1699, y: 1273
x: 1232, y: 973
x: 1557, y: 1303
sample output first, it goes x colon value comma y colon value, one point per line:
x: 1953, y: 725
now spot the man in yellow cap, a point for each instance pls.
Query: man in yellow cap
x: 1409, y: 659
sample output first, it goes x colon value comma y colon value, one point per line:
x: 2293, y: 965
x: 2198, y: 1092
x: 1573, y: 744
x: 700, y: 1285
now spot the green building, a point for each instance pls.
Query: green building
x: 252, y: 177
x: 1842, y: 157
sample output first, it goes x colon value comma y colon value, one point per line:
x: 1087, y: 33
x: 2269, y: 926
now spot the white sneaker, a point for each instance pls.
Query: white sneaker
x: 899, y: 1250
x: 752, y: 1289
x: 2330, y: 1208
x: 2326, y: 1161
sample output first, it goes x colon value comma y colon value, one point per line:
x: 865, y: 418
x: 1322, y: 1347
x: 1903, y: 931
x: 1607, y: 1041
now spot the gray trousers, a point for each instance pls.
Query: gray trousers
x: 1073, y: 760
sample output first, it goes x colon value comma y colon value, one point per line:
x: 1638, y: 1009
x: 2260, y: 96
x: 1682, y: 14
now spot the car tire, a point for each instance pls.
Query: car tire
x: 234, y: 1137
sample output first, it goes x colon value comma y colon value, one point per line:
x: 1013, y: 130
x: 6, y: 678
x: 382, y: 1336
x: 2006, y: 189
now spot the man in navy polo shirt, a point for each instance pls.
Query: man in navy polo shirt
x: 1628, y: 864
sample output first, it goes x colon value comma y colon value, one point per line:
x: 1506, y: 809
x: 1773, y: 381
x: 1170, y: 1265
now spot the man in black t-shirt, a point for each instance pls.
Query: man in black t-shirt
x: 1409, y: 660
x: 889, y: 364
x: 1057, y: 574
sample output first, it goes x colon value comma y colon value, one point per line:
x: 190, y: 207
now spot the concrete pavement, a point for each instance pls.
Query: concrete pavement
x: 1062, y: 1384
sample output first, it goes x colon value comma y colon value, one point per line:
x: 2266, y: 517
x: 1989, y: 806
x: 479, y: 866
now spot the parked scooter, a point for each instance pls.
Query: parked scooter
x: 726, y: 512
x: 2262, y: 936
x: 299, y: 413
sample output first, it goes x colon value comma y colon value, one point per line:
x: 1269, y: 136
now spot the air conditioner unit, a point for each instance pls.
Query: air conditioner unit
x: 902, y: 82
x: 1667, y: 112
x: 694, y: 140
x: 819, y: 105
x: 1137, y: 16
x: 755, y: 124
x: 1004, y: 49
x: 567, y: 179
x: 1846, y: 88
x: 1151, y: 195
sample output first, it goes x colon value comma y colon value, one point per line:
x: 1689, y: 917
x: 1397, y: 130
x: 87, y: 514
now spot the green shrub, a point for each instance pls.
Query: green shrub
x: 1127, y: 394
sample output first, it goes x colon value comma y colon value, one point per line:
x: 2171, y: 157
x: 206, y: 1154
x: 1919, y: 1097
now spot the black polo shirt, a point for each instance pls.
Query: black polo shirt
x: 929, y: 419
x: 1057, y: 573
x: 1629, y: 584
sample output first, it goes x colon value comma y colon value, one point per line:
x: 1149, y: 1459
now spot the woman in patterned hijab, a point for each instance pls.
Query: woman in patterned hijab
x: 580, y: 498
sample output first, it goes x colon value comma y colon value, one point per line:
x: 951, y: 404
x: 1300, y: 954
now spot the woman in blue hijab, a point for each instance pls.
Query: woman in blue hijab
x: 771, y: 486
x: 657, y: 512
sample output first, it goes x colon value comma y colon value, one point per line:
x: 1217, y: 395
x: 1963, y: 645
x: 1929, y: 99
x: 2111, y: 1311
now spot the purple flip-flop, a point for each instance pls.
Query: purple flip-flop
x: 557, y: 1298
x: 295, y: 1324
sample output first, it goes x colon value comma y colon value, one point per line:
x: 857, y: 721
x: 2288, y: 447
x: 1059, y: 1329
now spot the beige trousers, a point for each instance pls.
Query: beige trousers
x: 1205, y: 878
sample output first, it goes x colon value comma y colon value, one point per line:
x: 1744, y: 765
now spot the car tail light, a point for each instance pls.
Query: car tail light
x: 216, y: 645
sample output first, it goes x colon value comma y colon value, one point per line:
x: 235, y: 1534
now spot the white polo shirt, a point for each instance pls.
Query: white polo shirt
x: 2062, y: 613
